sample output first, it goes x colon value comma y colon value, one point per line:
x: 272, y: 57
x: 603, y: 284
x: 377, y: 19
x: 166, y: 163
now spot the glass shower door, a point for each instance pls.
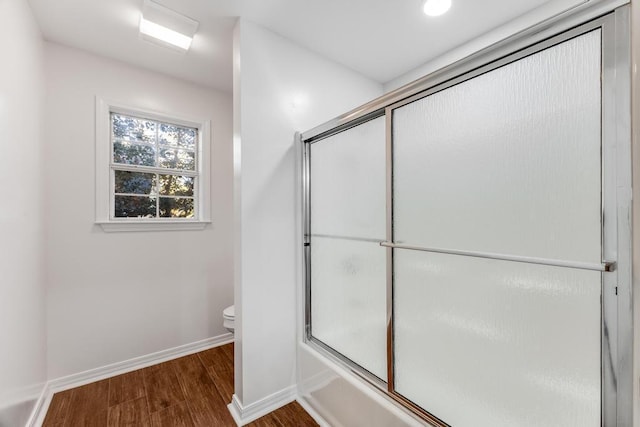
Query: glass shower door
x: 496, y: 210
x: 348, y: 267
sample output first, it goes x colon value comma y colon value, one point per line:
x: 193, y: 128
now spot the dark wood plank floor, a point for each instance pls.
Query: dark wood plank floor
x: 186, y: 392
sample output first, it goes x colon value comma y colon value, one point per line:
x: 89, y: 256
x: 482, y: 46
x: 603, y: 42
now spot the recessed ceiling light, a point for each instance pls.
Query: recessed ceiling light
x: 436, y: 7
x: 166, y: 27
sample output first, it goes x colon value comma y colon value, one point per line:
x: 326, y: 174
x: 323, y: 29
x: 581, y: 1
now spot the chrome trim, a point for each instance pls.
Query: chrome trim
x: 605, y: 266
x: 389, y: 255
x: 608, y: 330
x: 620, y: 119
x: 363, y: 375
x: 520, y: 54
x: 306, y: 230
x: 576, y: 16
x: 419, y: 411
x: 353, y: 367
x: 341, y: 127
x: 353, y: 238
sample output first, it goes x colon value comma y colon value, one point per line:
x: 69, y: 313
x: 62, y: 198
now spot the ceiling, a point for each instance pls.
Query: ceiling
x: 381, y: 39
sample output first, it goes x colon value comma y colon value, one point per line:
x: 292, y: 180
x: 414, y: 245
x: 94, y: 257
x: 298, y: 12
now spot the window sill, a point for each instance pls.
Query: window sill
x: 124, y: 226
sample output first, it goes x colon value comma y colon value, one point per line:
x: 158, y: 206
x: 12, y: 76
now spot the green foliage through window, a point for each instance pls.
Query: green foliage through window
x: 167, y: 152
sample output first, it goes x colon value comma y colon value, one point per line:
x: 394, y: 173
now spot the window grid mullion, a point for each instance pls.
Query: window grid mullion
x: 153, y: 195
x: 157, y: 146
x: 157, y: 154
x: 157, y: 196
x: 156, y: 169
x: 149, y: 169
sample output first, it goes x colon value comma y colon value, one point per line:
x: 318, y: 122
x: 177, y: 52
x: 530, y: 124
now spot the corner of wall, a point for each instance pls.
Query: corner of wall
x: 22, y: 288
x: 237, y: 207
x: 276, y: 72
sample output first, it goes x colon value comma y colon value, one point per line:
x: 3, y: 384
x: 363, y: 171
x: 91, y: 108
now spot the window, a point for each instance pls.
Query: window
x: 153, y: 170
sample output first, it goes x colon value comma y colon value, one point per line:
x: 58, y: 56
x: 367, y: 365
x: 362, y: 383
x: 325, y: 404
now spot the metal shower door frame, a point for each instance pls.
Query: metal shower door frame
x: 617, y: 313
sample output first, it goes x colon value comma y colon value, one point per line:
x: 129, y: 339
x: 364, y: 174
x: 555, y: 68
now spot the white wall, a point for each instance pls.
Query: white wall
x: 22, y: 293
x: 549, y: 10
x: 284, y: 88
x: 115, y: 296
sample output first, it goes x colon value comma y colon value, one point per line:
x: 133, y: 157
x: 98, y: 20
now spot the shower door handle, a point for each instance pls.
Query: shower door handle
x: 605, y: 266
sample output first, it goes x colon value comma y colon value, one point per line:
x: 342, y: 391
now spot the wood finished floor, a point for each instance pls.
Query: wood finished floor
x: 186, y: 392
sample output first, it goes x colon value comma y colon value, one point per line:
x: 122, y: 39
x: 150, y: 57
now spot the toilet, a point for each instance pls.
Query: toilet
x: 228, y: 316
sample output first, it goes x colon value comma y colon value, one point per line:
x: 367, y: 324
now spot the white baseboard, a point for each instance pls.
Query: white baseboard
x: 235, y: 408
x: 97, y: 374
x: 243, y: 415
x: 40, y: 408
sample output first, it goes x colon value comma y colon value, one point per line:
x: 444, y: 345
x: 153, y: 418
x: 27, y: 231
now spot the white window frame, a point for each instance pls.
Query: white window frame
x: 104, y: 190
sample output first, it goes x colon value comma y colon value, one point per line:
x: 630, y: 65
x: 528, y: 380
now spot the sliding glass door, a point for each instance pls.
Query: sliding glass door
x: 348, y: 297
x: 505, y: 165
x: 460, y: 240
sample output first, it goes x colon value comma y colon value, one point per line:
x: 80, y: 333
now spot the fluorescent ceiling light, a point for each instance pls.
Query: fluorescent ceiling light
x: 166, y: 27
x: 436, y: 7
x: 164, y: 34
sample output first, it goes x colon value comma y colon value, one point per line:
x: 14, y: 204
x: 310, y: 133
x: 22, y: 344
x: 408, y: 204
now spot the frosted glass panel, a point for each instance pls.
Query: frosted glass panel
x: 348, y: 300
x: 507, y: 162
x: 494, y: 343
x: 348, y: 275
x: 348, y: 182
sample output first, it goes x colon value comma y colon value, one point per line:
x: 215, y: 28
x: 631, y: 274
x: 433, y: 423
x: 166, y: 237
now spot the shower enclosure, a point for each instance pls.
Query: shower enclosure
x: 466, y: 238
